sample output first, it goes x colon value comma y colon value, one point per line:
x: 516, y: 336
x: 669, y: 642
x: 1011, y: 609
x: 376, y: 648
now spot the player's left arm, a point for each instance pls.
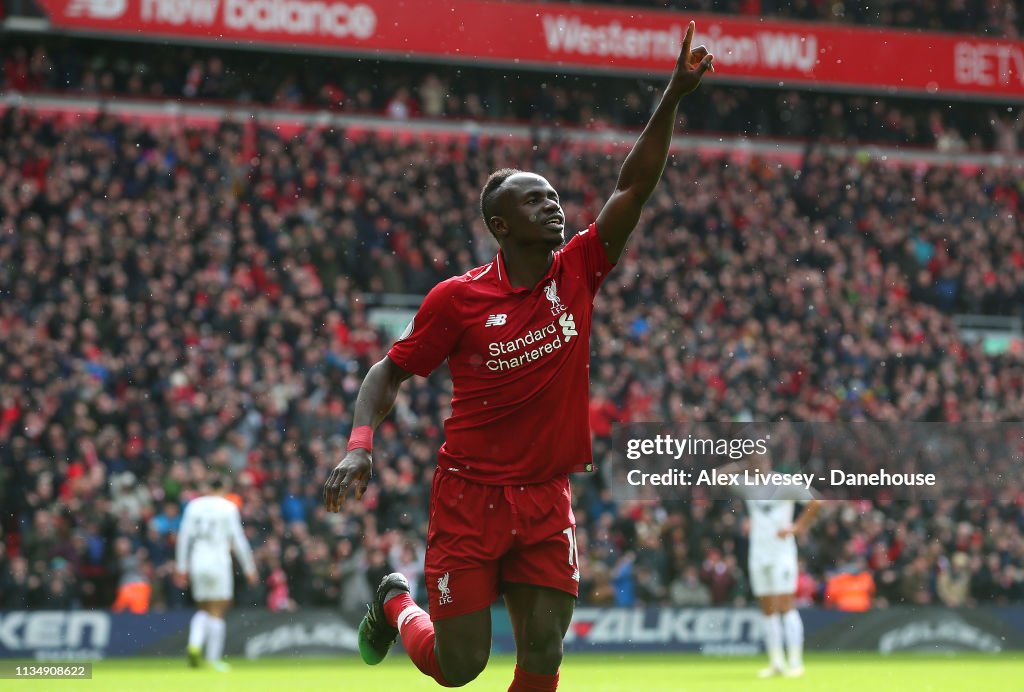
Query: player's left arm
x: 182, y: 546
x: 242, y: 549
x: 646, y: 162
x: 805, y: 520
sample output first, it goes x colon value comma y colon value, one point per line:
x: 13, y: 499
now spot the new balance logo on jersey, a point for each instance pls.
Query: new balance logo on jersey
x: 496, y: 320
x: 446, y: 594
x: 568, y: 324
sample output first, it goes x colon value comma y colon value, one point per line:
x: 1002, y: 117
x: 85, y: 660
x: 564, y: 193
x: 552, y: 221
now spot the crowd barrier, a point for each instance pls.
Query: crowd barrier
x: 85, y: 635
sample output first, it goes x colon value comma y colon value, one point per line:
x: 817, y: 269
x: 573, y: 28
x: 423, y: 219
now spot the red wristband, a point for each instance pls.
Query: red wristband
x: 361, y: 438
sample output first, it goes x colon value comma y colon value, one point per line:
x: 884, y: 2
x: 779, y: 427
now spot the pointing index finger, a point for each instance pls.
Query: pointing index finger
x: 686, y: 41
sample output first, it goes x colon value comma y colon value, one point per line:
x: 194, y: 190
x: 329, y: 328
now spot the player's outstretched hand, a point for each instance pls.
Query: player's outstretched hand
x: 690, y: 66
x: 352, y: 473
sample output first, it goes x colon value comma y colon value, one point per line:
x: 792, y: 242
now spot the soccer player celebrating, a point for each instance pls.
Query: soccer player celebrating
x: 516, y: 336
x: 211, y: 528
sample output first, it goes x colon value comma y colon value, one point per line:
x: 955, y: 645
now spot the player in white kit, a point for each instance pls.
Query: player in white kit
x: 211, y: 528
x: 773, y: 569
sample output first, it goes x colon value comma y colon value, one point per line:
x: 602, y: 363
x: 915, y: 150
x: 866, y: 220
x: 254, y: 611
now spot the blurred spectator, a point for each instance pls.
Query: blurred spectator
x: 850, y: 589
x: 953, y: 584
x: 401, y: 106
x: 806, y: 586
x: 277, y: 590
x: 915, y: 582
x: 601, y: 591
x: 1008, y: 131
x: 134, y: 590
x: 623, y: 580
x: 689, y: 590
x: 407, y: 557
x: 721, y: 575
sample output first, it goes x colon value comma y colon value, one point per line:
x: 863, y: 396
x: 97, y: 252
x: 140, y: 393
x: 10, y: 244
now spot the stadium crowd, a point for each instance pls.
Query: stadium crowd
x: 182, y: 303
x: 193, y: 75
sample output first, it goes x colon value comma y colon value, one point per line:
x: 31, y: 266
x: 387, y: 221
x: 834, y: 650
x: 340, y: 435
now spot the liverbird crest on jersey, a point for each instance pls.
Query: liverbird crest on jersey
x: 551, y: 293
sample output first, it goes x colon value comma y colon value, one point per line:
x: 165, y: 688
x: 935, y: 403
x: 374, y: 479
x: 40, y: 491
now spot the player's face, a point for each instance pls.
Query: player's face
x: 531, y: 211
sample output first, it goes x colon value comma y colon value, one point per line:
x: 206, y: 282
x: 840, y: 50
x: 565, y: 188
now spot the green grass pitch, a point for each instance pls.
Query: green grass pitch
x: 585, y: 673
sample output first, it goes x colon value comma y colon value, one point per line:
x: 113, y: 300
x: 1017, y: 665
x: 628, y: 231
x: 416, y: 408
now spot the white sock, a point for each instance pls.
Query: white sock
x: 215, y: 639
x: 773, y: 640
x: 408, y: 614
x: 197, y: 629
x: 793, y: 626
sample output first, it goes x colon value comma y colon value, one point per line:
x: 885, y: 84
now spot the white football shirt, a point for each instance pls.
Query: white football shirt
x: 771, y: 509
x: 210, y: 529
x: 767, y: 518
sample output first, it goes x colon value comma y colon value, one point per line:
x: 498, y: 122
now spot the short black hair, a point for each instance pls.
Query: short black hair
x: 217, y: 484
x: 487, y: 195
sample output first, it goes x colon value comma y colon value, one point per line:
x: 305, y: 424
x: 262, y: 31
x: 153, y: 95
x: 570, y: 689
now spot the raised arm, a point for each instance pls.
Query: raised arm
x: 645, y: 163
x: 375, y: 400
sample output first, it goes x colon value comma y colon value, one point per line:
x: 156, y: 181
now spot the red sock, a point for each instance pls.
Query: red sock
x: 417, y: 634
x: 525, y: 681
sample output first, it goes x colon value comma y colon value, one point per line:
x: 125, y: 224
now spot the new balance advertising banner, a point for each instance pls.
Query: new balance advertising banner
x: 554, y: 35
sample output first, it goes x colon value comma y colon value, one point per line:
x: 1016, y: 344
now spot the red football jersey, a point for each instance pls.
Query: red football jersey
x: 520, y: 365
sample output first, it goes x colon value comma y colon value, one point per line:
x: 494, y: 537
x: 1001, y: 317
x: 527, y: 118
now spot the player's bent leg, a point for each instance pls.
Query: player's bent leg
x: 453, y: 650
x: 540, y: 618
x: 463, y: 646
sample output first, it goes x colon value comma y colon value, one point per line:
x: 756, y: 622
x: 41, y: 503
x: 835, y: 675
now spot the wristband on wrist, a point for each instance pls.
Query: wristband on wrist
x: 361, y: 438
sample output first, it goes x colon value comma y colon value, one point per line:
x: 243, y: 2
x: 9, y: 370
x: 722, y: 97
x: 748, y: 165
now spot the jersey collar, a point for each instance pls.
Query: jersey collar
x: 506, y: 286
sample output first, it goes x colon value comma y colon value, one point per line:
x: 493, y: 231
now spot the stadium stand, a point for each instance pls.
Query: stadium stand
x: 180, y: 302
x: 101, y: 69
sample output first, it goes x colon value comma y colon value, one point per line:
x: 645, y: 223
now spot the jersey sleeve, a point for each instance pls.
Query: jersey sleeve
x: 586, y: 254
x: 433, y: 332
x: 240, y: 544
x: 181, y: 545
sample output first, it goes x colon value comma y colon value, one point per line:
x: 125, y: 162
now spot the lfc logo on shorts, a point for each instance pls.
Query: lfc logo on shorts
x: 446, y: 593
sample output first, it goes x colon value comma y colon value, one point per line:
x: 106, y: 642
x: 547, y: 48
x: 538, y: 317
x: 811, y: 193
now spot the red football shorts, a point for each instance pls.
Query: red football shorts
x: 482, y: 537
